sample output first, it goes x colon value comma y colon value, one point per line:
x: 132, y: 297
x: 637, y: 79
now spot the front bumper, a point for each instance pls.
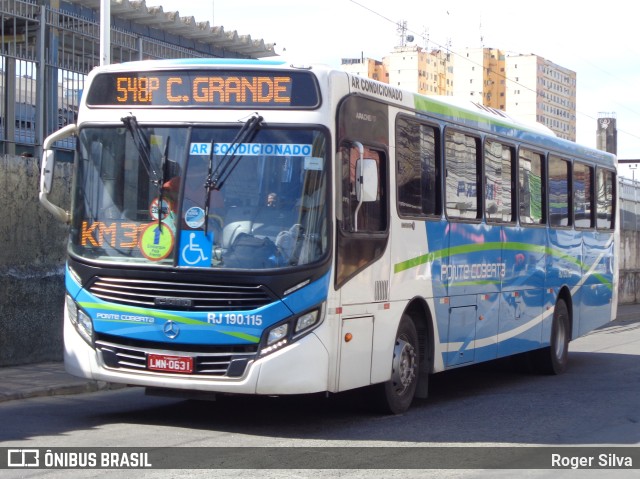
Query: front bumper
x: 300, y: 368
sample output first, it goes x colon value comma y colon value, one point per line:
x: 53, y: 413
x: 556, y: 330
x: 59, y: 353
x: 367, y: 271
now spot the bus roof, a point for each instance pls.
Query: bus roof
x: 490, y: 120
x: 462, y: 112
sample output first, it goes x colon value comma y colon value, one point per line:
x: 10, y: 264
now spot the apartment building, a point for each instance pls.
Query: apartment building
x: 366, y: 67
x: 528, y: 87
x: 541, y: 91
x: 409, y: 67
x: 480, y: 77
x: 413, y: 68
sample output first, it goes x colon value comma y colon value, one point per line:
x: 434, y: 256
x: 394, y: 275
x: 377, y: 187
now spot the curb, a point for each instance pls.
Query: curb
x: 61, y: 390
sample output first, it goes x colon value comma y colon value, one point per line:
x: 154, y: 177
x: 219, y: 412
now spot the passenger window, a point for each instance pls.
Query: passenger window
x: 498, y: 160
x: 582, y: 196
x: 417, y: 171
x: 530, y: 181
x: 461, y: 163
x: 558, y: 192
x: 605, y: 199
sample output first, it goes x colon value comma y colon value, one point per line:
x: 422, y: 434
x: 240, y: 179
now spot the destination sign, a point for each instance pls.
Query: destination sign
x: 206, y: 89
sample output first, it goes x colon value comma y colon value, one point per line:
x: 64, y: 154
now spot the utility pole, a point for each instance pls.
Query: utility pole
x: 105, y: 32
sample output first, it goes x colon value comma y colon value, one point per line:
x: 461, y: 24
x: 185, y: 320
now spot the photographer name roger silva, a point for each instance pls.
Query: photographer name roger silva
x: 606, y: 461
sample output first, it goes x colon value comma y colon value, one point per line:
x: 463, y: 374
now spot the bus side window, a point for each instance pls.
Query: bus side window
x: 605, y: 199
x: 372, y: 215
x: 461, y: 164
x: 530, y: 181
x: 417, y: 169
x: 558, y: 188
x: 582, y: 195
x: 498, y: 161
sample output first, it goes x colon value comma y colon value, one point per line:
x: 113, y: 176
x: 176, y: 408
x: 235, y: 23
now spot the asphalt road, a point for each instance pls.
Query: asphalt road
x: 595, y: 404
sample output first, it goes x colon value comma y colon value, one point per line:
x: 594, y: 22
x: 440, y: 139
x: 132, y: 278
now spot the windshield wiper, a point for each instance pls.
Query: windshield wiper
x: 163, y: 163
x: 216, y: 178
x: 230, y: 160
x: 142, y: 145
x: 144, y: 150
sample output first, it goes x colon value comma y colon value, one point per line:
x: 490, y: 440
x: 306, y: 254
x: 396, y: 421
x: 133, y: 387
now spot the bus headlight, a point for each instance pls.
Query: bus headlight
x: 80, y: 320
x: 306, y: 321
x: 293, y: 329
x: 277, y: 334
x: 276, y: 338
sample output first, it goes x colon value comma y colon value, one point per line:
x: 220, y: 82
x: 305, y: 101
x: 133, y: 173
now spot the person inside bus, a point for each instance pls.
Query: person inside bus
x: 299, y: 242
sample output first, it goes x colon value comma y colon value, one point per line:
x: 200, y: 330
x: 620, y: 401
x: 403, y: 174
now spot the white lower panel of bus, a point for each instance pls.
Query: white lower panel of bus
x: 300, y: 368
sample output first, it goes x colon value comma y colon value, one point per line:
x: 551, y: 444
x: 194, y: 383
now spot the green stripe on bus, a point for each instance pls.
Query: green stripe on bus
x: 494, y: 246
x: 163, y: 315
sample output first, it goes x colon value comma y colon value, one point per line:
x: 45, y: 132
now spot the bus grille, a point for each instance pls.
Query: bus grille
x: 223, y: 363
x: 180, y: 295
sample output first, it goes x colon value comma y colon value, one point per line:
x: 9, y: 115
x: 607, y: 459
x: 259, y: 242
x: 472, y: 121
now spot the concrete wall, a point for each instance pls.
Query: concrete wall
x: 32, y: 255
x: 629, y: 267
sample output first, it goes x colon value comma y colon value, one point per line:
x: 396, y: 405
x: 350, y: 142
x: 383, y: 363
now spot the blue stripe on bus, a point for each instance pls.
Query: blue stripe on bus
x: 493, y: 299
x: 229, y: 327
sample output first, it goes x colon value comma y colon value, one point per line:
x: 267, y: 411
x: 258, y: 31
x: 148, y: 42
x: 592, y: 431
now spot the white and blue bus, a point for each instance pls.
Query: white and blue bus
x: 252, y: 227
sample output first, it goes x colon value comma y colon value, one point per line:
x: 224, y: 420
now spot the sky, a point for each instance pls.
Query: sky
x: 596, y: 39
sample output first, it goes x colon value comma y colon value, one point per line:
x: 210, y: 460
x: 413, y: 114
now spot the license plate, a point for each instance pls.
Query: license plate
x: 173, y: 364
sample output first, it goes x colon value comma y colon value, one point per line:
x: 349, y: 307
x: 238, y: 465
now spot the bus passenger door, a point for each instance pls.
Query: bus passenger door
x: 362, y: 266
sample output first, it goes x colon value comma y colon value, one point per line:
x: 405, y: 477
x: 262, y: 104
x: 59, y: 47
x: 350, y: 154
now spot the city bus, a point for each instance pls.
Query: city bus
x: 255, y: 227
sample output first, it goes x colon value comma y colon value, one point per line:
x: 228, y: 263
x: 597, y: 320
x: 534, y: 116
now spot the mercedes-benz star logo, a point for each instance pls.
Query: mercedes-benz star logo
x: 171, y: 329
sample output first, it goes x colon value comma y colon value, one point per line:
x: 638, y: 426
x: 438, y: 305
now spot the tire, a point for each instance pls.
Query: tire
x: 395, y: 396
x: 554, y: 358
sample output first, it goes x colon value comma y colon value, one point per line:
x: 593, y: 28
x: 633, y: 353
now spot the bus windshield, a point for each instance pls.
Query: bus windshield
x: 197, y: 197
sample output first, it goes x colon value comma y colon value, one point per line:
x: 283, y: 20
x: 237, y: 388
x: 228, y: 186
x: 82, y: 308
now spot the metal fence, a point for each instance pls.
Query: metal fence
x: 46, y: 54
x: 629, y: 195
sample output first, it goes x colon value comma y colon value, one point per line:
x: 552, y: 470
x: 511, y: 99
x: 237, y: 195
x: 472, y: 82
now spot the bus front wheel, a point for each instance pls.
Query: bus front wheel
x: 395, y: 396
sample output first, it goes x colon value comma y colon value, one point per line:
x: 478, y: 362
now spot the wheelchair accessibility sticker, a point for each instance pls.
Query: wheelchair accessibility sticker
x: 195, y: 248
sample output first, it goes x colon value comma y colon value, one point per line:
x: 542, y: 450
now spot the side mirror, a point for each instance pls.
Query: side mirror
x: 46, y: 173
x: 366, y: 180
x: 47, y: 170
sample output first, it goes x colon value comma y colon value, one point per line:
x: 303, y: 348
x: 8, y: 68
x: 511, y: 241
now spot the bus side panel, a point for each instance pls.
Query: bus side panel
x: 438, y: 233
x: 597, y: 289
x: 362, y: 296
x: 564, y: 268
x: 473, y: 277
x: 418, y: 257
x: 522, y: 296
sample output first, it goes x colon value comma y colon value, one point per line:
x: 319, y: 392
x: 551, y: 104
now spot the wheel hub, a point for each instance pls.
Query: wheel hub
x: 404, y: 365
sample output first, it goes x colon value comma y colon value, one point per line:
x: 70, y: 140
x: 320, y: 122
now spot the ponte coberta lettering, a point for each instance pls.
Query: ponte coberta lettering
x: 461, y: 272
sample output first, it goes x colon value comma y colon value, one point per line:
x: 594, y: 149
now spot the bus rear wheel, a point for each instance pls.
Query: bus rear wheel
x: 554, y: 358
x: 395, y: 396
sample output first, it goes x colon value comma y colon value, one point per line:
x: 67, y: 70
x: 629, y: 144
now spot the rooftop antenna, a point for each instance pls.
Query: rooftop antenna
x: 425, y: 37
x: 402, y: 31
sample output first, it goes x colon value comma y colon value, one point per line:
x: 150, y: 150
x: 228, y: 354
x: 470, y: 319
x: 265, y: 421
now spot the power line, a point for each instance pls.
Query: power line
x: 500, y: 75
